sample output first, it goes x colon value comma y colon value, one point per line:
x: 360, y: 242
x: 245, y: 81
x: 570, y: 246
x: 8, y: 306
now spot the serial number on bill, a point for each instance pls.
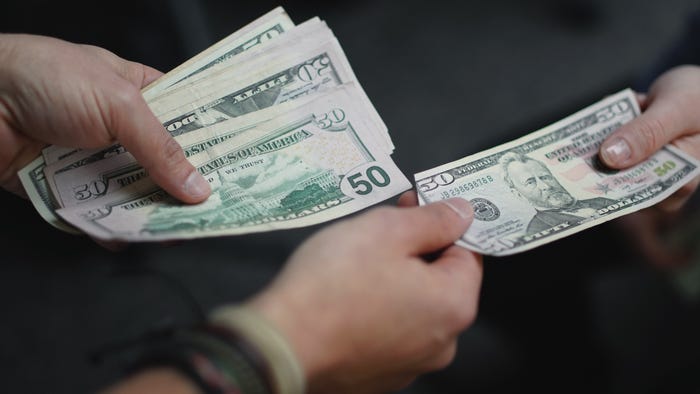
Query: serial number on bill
x: 467, y: 187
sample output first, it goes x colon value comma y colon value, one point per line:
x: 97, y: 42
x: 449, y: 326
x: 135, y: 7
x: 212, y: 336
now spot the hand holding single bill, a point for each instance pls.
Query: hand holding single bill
x: 550, y: 184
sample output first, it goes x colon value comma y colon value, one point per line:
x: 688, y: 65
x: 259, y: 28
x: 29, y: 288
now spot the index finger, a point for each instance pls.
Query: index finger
x: 421, y: 230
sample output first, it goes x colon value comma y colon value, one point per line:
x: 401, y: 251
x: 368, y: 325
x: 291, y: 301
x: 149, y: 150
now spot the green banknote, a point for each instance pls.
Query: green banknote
x: 311, y: 73
x: 255, y: 33
x: 550, y: 184
x: 316, y: 163
x: 33, y: 176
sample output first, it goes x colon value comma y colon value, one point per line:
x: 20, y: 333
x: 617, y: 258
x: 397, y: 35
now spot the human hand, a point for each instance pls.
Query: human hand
x: 55, y: 92
x: 361, y: 306
x: 670, y: 115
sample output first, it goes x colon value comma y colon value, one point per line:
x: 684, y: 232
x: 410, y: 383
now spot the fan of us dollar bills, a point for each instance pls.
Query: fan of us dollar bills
x: 272, y: 116
x: 276, y: 121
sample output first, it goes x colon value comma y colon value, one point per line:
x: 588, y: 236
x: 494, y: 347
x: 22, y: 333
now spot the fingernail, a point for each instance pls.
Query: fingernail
x: 196, y: 186
x: 461, y: 207
x: 617, y: 152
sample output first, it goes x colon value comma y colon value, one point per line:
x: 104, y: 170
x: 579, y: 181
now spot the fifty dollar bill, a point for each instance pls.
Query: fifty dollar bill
x: 550, y: 184
x: 78, y: 179
x: 307, y: 166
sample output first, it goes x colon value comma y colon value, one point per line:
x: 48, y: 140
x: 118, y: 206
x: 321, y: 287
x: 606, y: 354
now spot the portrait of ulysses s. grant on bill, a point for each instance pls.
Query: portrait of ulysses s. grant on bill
x: 531, y: 180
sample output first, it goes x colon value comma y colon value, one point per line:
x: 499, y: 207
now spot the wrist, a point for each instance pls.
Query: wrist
x: 282, y: 364
x: 214, y: 357
x: 305, y: 333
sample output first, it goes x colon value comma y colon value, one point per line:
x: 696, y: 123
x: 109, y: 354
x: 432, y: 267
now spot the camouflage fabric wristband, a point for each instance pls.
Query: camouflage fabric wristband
x: 282, y: 365
x: 218, y: 360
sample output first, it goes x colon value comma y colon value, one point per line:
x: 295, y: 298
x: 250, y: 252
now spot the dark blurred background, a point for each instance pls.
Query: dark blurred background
x: 585, y: 314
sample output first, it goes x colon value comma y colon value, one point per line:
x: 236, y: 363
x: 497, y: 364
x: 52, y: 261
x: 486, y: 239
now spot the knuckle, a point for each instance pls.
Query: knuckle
x: 466, y: 317
x: 386, y: 218
x: 378, y: 221
x: 98, y: 51
x: 650, y: 135
x: 443, y: 221
x: 172, y: 152
x: 437, y: 219
x: 133, y: 71
x: 445, y: 358
x: 125, y: 94
x: 123, y: 101
x: 464, y: 310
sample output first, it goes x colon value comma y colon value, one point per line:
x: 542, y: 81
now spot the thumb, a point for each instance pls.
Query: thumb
x: 141, y: 133
x: 637, y: 140
x: 420, y: 230
x: 671, y: 114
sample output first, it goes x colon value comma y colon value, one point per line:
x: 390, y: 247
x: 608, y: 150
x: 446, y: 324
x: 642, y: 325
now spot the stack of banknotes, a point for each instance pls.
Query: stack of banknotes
x: 274, y: 119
